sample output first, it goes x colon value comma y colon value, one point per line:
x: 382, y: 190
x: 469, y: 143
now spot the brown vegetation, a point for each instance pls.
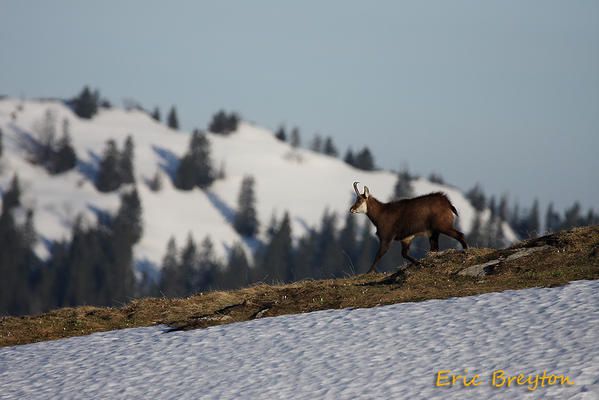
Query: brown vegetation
x: 557, y: 259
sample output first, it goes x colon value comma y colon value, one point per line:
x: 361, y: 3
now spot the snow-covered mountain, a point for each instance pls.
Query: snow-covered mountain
x: 300, y: 181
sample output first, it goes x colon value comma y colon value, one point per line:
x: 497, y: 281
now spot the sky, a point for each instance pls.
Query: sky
x: 504, y: 93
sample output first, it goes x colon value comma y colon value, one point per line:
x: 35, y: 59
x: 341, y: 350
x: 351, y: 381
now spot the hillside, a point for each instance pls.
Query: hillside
x: 547, y: 261
x: 300, y: 181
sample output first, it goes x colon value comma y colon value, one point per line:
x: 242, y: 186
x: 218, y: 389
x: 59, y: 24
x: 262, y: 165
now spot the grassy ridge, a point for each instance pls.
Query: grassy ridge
x: 560, y: 258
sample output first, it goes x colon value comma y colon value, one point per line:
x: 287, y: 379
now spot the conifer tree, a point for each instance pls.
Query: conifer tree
x: 592, y: 218
x: 316, y: 144
x: 533, y: 223
x: 156, y: 114
x: 572, y: 217
x: 86, y: 104
x: 208, y: 266
x: 12, y: 197
x: 46, y: 136
x: 126, y: 230
x: 200, y: 154
x: 195, y: 168
x: 28, y: 230
x: 503, y: 210
x: 348, y: 239
x: 552, y: 219
x: 476, y: 197
x: 173, y: 119
x: 281, y: 134
x: 364, y: 160
x: 273, y: 224
x: 329, y: 147
x: 349, y: 158
x: 128, y: 220
x: 109, y: 177
x: 126, y: 170
x: 435, y: 177
x: 499, y: 239
x: 475, y: 235
x: 64, y: 158
x: 403, y: 185
x: 86, y: 272
x: 237, y: 272
x: 295, y: 138
x: 189, y: 267
x: 488, y: 234
x: 329, y: 254
x: 493, y: 207
x: 304, y: 262
x: 515, y: 214
x: 246, y: 220
x: 185, y: 176
x: 155, y: 184
x: 277, y: 257
x: 223, y: 123
x: 16, y: 259
x: 172, y: 281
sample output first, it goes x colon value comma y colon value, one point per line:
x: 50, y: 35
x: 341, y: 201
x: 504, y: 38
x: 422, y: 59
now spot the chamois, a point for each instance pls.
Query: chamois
x: 402, y: 220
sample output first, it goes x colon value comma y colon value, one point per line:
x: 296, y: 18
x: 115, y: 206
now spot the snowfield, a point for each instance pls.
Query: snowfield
x: 386, y: 352
x: 301, y: 181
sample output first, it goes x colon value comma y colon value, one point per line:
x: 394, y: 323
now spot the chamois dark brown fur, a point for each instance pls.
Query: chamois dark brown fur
x: 402, y: 220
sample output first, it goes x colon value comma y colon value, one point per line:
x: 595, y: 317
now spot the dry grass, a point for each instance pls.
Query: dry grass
x: 569, y: 255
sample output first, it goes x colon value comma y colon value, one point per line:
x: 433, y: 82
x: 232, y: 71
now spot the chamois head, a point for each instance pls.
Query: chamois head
x: 360, y: 206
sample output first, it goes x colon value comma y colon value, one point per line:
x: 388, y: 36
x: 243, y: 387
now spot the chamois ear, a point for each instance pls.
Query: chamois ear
x: 366, y: 192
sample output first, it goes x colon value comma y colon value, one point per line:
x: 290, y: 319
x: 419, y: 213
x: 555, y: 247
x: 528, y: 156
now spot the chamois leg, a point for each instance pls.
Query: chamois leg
x: 457, y: 235
x: 434, y: 241
x: 383, y: 247
x: 405, y: 247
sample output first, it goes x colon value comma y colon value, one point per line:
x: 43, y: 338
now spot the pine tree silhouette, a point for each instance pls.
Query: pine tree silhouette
x: 329, y: 148
x: 237, y: 272
x: 195, y: 168
x: 316, y: 144
x: 86, y: 104
x: 109, y: 177
x: 173, y: 119
x: 64, y: 158
x: 126, y: 170
x: 403, y: 186
x: 12, y: 197
x: 295, y: 138
x: 349, y: 157
x: 277, y: 257
x: 281, y: 134
x: 156, y: 114
x: 364, y: 160
x: 246, y: 220
x: 533, y: 222
x: 171, y: 277
x: 223, y: 123
x: 476, y: 197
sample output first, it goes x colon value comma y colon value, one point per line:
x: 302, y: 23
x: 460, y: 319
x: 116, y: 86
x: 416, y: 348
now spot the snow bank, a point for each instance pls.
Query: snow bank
x: 386, y: 352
